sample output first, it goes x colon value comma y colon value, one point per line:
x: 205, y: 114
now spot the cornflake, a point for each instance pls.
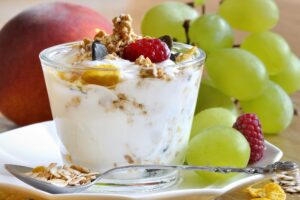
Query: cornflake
x: 270, y: 191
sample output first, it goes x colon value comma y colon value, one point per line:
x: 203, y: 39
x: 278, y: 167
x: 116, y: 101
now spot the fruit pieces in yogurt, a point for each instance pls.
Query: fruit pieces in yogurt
x: 110, y: 111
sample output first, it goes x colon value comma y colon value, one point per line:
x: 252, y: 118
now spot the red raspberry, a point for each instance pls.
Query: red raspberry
x: 154, y: 49
x: 249, y: 126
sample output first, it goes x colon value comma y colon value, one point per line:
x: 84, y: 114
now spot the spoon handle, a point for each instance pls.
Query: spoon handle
x: 277, y: 166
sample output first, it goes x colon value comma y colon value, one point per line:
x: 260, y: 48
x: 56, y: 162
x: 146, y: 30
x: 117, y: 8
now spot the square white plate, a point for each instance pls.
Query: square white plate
x: 37, y: 144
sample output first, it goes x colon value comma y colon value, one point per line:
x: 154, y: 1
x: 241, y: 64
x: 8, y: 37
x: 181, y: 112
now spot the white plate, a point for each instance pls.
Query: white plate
x: 38, y: 145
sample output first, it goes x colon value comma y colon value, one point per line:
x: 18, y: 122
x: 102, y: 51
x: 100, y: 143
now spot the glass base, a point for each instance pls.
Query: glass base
x: 141, y: 181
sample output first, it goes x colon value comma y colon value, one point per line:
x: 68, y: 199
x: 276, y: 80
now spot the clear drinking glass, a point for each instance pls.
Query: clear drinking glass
x: 135, y: 121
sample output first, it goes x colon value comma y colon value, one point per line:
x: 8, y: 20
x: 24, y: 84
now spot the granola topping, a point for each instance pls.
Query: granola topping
x: 121, y: 37
x: 107, y: 49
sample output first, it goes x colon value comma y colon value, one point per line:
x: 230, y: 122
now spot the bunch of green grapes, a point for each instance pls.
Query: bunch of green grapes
x: 236, y: 74
x: 256, y: 76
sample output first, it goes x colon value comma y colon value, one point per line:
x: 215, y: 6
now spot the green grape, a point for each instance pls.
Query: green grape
x: 274, y: 108
x: 250, y: 15
x: 167, y: 19
x: 237, y: 73
x: 212, y: 117
x: 289, y: 78
x: 270, y: 48
x: 210, y: 32
x: 209, y: 97
x: 200, y: 2
x: 218, y: 146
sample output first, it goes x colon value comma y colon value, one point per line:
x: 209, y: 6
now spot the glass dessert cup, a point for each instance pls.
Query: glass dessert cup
x: 137, y: 120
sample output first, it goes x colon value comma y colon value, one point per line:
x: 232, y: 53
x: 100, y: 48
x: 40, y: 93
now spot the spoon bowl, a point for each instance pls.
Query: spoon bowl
x: 20, y: 172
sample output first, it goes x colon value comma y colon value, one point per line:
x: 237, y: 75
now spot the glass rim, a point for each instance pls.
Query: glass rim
x: 47, y: 61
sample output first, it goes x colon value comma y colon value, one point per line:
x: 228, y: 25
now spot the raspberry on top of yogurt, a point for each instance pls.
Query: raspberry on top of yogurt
x: 110, y: 56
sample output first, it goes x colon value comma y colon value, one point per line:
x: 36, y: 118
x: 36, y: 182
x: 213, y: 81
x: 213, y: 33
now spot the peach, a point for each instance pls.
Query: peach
x: 23, y: 95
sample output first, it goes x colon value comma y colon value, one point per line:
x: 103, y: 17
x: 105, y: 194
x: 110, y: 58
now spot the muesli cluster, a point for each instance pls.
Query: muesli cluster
x: 62, y: 176
x: 122, y: 35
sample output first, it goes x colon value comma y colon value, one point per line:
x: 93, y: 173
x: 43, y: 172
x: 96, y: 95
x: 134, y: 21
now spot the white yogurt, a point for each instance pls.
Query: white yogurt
x: 101, y: 130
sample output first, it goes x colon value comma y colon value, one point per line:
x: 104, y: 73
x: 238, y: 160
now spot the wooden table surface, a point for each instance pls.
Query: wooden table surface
x: 288, y: 27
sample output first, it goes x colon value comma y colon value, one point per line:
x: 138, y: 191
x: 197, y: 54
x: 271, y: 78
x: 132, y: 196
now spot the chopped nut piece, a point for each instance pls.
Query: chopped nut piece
x: 75, y: 101
x: 145, y: 62
x: 122, y: 96
x: 80, y: 169
x: 153, y: 72
x: 86, y: 43
x: 100, y: 34
x: 148, y: 72
x: 161, y: 74
x: 129, y: 159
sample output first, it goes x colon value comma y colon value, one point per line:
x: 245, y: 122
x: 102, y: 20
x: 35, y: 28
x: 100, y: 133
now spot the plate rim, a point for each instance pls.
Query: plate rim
x: 160, y: 194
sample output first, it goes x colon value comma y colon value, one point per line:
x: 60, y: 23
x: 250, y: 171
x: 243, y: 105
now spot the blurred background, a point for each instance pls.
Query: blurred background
x: 288, y: 27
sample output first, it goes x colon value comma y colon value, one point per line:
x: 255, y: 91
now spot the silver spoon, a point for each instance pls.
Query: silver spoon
x: 20, y: 172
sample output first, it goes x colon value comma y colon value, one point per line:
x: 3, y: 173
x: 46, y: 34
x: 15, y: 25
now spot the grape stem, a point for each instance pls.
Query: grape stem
x: 237, y: 104
x: 186, y: 26
x: 192, y: 4
x: 203, y: 9
x: 236, y: 46
x: 296, y: 112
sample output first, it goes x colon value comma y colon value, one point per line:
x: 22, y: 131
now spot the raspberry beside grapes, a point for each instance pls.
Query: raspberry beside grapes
x: 154, y: 49
x: 250, y: 127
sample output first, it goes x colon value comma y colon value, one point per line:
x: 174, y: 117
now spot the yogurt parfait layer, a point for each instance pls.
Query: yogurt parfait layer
x: 123, y: 99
